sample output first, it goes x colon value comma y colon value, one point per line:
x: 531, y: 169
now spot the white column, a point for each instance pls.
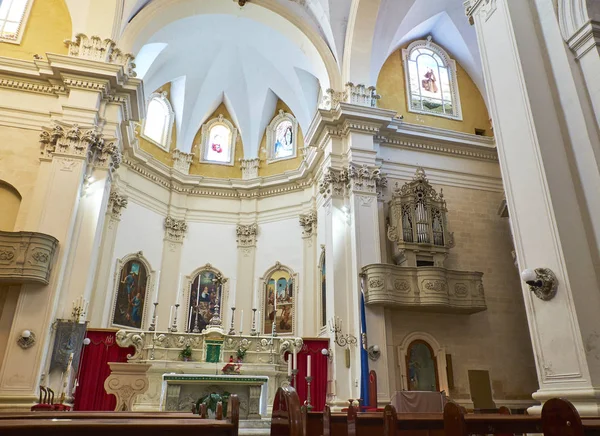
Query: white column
x: 245, y: 294
x: 116, y: 203
x: 64, y: 165
x: 309, y: 327
x: 546, y: 198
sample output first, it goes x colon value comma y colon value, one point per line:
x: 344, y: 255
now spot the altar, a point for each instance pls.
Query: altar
x: 179, y: 391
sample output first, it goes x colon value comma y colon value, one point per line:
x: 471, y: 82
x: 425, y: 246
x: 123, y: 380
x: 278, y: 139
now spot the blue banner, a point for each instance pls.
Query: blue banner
x: 364, y: 355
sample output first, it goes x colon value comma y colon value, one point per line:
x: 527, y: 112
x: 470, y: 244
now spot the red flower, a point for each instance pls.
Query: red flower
x: 217, y: 148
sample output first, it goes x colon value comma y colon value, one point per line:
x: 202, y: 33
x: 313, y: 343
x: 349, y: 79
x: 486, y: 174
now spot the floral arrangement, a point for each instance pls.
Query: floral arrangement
x: 186, y: 353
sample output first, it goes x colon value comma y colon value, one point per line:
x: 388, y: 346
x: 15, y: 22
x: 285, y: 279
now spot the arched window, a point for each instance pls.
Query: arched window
x: 422, y: 367
x: 281, y: 137
x: 13, y: 16
x: 159, y: 120
x: 431, y: 85
x: 218, y: 141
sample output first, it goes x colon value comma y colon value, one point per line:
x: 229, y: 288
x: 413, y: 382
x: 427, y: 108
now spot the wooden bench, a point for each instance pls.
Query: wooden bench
x: 560, y: 418
x: 286, y: 419
x: 120, y: 423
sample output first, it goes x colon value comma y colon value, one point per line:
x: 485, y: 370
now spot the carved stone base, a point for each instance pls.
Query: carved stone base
x: 126, y: 381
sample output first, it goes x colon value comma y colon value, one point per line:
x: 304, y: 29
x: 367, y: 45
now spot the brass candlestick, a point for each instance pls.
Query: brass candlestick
x: 153, y: 322
x: 253, y: 332
x: 174, y: 326
x: 232, y: 329
x: 309, y: 406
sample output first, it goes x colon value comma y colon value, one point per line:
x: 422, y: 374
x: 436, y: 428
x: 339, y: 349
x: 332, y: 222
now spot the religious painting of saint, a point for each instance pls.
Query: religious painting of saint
x: 422, y: 369
x: 219, y: 143
x: 279, y: 285
x: 131, y: 295
x: 284, y: 140
x: 203, y: 299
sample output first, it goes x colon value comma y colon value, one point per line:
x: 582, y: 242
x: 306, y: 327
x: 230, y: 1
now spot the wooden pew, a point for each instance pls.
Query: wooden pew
x: 457, y: 423
x: 560, y: 418
x: 286, y: 419
x: 120, y: 423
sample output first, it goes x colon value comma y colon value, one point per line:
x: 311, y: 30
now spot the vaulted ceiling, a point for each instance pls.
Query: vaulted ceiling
x: 215, y: 51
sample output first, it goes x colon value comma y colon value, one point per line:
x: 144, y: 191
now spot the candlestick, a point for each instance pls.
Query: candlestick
x: 307, y: 402
x: 156, y: 287
x: 174, y: 327
x: 154, y: 318
x: 294, y: 377
x: 196, y: 325
x: 231, y: 329
x: 253, y: 330
x: 241, y: 321
x: 308, y: 369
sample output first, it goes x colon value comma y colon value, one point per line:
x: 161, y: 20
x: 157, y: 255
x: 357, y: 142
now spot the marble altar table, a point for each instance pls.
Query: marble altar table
x: 179, y: 391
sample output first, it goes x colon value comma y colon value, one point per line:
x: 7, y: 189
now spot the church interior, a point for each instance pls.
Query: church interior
x: 254, y: 213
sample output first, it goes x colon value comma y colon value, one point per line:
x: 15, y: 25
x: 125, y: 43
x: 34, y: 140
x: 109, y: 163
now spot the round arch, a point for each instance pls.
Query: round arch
x: 159, y: 14
x: 438, y: 352
x: 10, y: 199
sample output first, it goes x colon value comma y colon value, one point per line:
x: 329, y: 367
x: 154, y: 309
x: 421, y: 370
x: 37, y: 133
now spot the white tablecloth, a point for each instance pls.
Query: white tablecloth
x: 418, y: 402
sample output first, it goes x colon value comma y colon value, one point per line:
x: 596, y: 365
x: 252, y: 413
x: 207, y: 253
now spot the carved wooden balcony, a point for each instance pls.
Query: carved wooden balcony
x: 425, y: 289
x: 26, y: 257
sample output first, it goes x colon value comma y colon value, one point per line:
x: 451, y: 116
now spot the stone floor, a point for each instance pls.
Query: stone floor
x: 255, y: 427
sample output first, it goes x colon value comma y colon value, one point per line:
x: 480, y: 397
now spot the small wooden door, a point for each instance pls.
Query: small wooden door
x: 481, y: 390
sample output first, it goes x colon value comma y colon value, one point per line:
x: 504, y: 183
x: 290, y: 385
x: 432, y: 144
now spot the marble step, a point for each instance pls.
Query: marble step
x: 255, y: 427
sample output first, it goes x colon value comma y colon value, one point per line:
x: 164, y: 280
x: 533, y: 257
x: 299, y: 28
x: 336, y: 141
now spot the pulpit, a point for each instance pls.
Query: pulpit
x: 180, y: 391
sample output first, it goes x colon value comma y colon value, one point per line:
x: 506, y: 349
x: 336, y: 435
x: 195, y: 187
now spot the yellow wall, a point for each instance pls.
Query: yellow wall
x: 49, y: 24
x: 216, y: 170
x: 391, y: 85
x: 10, y: 201
x: 158, y: 153
x: 269, y: 169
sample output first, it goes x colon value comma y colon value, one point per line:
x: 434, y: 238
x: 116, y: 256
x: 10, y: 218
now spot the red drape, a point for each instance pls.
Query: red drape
x: 90, y: 394
x: 319, y: 367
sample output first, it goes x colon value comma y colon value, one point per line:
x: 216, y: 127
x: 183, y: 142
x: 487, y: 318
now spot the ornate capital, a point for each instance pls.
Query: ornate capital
x: 175, y: 229
x: 182, y: 161
x: 484, y: 7
x: 308, y: 221
x: 249, y: 168
x: 360, y: 95
x: 334, y: 182
x: 246, y: 235
x: 366, y: 179
x: 69, y: 140
x: 102, y: 50
x: 116, y: 203
x: 106, y: 154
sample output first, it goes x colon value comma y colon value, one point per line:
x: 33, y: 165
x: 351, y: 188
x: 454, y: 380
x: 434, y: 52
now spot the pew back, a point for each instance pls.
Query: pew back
x: 286, y: 419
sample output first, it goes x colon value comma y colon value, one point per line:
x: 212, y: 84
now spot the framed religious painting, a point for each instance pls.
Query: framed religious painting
x: 205, y: 297
x: 131, y: 291
x: 279, y: 288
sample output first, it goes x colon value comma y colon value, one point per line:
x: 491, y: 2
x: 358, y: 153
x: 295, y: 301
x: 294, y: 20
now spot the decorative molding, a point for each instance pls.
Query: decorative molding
x: 97, y: 49
x: 484, y: 7
x: 366, y: 179
x: 250, y: 168
x: 26, y: 257
x: 106, y: 154
x: 360, y: 95
x: 116, y: 203
x: 182, y: 161
x: 175, y: 229
x: 246, y: 235
x: 334, y: 182
x: 31, y: 86
x: 308, y: 221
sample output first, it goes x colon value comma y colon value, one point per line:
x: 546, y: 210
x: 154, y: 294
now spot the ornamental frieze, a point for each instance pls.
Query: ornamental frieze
x: 175, y: 229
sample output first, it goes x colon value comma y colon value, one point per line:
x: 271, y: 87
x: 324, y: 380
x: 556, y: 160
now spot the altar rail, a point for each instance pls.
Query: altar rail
x: 167, y: 346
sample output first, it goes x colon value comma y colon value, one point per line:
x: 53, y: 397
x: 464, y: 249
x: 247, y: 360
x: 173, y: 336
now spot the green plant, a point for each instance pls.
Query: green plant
x: 186, y: 353
x: 241, y: 353
x: 211, y: 400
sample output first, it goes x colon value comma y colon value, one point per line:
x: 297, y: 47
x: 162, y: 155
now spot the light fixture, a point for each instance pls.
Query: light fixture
x: 374, y: 352
x: 542, y: 282
x: 86, y: 341
x: 27, y: 339
x: 328, y: 352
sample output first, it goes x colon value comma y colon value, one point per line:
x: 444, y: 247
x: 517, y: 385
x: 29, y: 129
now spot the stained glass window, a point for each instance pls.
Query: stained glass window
x: 431, y: 80
x: 284, y: 140
x: 12, y: 15
x: 159, y: 120
x: 219, y: 143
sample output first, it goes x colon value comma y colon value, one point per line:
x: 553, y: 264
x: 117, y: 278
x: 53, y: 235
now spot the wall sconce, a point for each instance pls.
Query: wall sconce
x: 86, y: 341
x: 26, y: 340
x: 335, y: 326
x: 542, y: 282
x: 374, y: 352
x: 328, y: 352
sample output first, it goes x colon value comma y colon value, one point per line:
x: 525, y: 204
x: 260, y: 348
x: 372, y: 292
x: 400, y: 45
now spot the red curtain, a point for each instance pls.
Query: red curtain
x: 319, y: 367
x: 93, y: 371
